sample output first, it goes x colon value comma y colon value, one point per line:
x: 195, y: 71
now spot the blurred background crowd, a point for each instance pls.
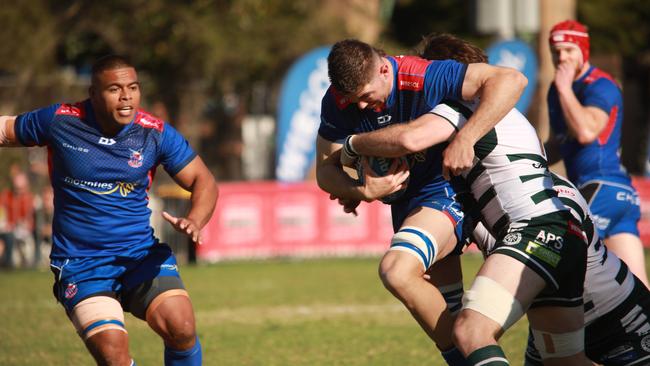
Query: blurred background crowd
x: 215, y: 68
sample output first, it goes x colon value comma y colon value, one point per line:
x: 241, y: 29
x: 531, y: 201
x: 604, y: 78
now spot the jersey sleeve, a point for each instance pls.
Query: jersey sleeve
x: 452, y: 115
x: 333, y: 125
x: 33, y: 128
x: 444, y: 79
x: 176, y: 152
x: 602, y: 94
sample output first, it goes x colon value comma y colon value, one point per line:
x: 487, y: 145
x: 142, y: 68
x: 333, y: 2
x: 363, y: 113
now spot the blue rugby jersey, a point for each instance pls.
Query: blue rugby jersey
x: 599, y: 159
x: 101, y: 183
x: 419, y: 85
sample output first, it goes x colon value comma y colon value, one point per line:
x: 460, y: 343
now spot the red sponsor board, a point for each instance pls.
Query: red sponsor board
x: 642, y: 185
x: 270, y: 219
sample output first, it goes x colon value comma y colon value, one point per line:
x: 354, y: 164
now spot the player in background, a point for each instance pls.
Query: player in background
x: 371, y: 91
x: 586, y: 115
x: 104, y: 152
x: 540, y: 274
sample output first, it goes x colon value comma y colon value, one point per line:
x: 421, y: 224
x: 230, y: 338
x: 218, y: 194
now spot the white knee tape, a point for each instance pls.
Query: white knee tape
x: 418, y: 242
x: 491, y: 299
x: 97, y: 314
x: 554, y: 345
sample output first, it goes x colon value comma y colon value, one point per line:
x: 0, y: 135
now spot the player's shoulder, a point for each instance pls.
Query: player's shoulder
x: 77, y: 109
x: 334, y: 98
x: 412, y: 64
x: 411, y: 72
x: 600, y: 78
x: 148, y: 120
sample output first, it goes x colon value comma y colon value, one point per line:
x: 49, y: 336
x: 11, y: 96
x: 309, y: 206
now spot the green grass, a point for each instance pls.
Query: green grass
x: 280, y: 312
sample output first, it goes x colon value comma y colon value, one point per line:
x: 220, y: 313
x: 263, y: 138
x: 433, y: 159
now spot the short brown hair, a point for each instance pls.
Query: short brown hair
x: 350, y: 65
x: 446, y: 46
x: 109, y: 62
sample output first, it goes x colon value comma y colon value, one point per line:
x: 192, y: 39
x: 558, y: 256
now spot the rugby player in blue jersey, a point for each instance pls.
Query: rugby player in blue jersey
x: 103, y: 155
x: 371, y: 91
x: 585, y: 108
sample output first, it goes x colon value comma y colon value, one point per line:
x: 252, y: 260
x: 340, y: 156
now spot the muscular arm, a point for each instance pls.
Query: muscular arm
x: 197, y: 179
x: 7, y: 132
x: 584, y: 123
x: 333, y: 179
x: 499, y: 89
x: 330, y: 174
x: 405, y: 138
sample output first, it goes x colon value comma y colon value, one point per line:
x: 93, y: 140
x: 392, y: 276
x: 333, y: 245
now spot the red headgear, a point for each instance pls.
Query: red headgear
x: 571, y: 32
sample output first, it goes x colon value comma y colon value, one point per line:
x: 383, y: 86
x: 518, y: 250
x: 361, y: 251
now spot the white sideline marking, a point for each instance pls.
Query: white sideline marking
x: 254, y: 315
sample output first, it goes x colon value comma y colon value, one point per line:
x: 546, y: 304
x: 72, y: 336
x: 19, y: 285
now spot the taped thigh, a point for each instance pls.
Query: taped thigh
x: 97, y: 314
x: 489, y: 298
x: 558, y: 345
x: 417, y: 242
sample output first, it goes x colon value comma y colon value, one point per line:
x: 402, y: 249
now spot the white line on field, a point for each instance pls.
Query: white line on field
x: 285, y: 313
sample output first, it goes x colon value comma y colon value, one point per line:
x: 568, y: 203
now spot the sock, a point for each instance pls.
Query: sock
x: 454, y: 357
x: 488, y: 356
x: 190, y: 357
x: 453, y: 295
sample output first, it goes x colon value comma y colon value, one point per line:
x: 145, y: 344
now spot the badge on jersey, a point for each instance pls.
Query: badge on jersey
x: 70, y: 291
x: 136, y: 159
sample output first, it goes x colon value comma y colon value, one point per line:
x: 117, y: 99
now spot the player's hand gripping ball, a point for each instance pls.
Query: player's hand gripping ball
x: 381, y: 167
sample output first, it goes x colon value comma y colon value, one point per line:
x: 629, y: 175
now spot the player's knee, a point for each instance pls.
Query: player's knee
x: 470, y: 331
x: 558, y: 345
x: 173, y: 319
x: 397, y: 275
x: 180, y: 330
x: 412, y: 252
x: 97, y: 314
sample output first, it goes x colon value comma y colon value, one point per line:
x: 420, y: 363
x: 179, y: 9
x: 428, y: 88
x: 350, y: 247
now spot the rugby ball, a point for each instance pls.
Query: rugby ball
x: 380, y: 167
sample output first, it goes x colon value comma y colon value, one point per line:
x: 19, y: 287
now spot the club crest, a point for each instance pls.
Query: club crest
x: 512, y: 238
x: 70, y: 291
x: 136, y: 159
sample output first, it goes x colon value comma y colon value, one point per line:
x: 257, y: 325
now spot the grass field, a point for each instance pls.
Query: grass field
x: 280, y: 312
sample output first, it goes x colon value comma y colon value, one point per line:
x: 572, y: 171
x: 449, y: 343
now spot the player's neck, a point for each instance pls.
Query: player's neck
x: 109, y: 128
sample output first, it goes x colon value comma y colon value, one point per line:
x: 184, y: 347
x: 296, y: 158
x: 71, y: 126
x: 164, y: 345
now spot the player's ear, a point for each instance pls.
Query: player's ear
x: 383, y: 69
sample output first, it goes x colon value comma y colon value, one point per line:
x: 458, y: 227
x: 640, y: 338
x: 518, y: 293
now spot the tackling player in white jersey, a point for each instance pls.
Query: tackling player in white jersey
x: 616, y: 303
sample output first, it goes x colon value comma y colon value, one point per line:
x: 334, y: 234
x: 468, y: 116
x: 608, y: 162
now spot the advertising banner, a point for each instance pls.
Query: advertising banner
x: 271, y: 219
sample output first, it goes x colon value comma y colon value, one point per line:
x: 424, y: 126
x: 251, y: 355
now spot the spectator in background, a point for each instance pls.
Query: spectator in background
x: 586, y: 113
x: 18, y: 205
x: 44, y: 219
x: 6, y: 238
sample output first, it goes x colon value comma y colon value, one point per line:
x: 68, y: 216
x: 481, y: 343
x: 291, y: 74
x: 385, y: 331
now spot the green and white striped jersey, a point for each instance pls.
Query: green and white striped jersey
x: 509, y: 180
x: 608, y: 282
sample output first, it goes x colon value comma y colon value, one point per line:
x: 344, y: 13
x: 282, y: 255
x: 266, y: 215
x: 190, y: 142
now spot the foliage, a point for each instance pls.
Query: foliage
x: 618, y: 27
